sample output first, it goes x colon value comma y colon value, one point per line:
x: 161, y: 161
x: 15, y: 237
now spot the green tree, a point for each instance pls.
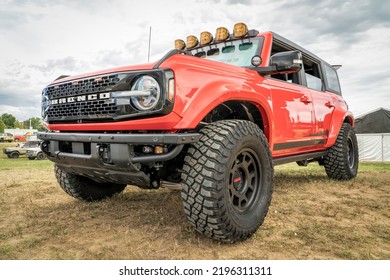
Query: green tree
x: 2, y: 126
x: 17, y: 124
x: 35, y: 123
x: 8, y: 120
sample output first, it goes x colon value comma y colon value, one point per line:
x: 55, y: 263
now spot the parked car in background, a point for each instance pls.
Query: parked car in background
x: 35, y: 153
x: 19, y: 138
x: 20, y: 149
x: 6, y: 137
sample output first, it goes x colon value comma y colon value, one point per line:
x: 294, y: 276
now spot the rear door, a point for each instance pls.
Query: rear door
x: 322, y: 100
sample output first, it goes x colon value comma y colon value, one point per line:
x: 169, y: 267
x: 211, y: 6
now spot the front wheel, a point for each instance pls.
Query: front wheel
x: 342, y: 159
x: 14, y: 155
x: 227, y: 180
x: 83, y: 188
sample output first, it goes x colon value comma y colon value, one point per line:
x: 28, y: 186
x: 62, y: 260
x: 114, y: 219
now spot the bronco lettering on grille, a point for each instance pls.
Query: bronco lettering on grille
x: 72, y: 99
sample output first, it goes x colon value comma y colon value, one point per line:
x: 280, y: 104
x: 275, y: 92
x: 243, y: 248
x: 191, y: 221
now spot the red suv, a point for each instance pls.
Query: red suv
x: 215, y: 115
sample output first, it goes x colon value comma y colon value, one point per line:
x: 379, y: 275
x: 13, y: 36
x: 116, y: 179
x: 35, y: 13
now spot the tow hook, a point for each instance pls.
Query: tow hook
x: 104, y: 153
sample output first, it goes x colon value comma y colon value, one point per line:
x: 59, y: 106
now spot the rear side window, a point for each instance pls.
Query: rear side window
x: 313, y: 82
x: 332, y: 79
x: 312, y: 74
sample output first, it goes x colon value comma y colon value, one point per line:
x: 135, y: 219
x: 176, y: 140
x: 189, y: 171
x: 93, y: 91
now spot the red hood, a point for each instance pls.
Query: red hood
x: 146, y: 66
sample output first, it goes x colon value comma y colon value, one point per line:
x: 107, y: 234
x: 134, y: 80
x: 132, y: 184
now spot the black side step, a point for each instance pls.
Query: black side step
x: 282, y: 160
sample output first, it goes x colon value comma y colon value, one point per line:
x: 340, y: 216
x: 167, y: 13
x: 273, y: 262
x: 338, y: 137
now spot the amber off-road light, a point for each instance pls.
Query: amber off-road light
x: 158, y: 150
x: 180, y: 44
x: 240, y: 30
x: 205, y: 38
x: 192, y: 42
x: 221, y: 34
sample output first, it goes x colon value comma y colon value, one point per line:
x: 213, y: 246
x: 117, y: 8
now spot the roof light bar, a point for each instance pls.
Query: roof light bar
x: 240, y: 30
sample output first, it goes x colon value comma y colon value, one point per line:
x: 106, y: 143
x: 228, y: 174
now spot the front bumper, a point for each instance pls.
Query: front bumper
x: 111, y: 157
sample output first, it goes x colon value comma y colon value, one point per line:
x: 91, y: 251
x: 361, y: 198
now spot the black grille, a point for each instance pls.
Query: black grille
x: 94, y: 109
x: 86, y: 86
x: 66, y: 109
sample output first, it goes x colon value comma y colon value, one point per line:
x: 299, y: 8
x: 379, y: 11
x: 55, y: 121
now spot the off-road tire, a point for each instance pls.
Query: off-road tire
x: 342, y: 159
x: 41, y: 156
x: 227, y: 180
x: 83, y: 188
x: 14, y: 155
x: 31, y: 158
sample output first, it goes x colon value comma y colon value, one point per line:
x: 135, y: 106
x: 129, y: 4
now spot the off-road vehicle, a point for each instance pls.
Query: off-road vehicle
x: 35, y: 153
x: 6, y: 137
x: 20, y: 149
x: 214, y: 114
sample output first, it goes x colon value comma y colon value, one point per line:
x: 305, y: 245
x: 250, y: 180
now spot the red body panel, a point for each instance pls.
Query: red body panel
x: 165, y: 123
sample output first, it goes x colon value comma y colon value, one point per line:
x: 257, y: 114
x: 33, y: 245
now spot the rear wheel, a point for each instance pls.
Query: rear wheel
x: 342, y: 159
x: 227, y: 180
x: 40, y: 156
x: 83, y: 188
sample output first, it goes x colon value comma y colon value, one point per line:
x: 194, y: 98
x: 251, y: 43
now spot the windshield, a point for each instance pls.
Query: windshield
x: 238, y: 53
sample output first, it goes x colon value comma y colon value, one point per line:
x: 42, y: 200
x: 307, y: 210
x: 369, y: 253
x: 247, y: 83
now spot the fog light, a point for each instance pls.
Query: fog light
x: 158, y: 149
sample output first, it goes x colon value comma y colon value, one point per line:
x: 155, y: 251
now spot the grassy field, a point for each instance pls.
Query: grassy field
x: 311, y: 217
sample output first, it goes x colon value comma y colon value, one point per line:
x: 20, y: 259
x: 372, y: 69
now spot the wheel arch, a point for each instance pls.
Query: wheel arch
x: 339, y: 118
x: 236, y: 103
x: 242, y: 110
x: 349, y: 118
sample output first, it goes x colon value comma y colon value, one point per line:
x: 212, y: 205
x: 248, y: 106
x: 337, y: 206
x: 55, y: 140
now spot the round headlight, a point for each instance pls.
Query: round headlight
x: 149, y: 101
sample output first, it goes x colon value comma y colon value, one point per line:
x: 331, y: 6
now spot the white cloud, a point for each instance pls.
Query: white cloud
x: 21, y: 113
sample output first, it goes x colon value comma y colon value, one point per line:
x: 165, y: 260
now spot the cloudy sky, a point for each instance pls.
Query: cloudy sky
x: 43, y: 39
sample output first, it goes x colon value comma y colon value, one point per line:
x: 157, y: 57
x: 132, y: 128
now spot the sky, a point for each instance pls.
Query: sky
x: 41, y: 40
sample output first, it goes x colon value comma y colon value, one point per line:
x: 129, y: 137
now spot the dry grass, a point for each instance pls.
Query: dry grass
x: 311, y: 217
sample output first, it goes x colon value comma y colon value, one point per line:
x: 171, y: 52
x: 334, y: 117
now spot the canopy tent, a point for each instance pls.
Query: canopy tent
x: 377, y: 121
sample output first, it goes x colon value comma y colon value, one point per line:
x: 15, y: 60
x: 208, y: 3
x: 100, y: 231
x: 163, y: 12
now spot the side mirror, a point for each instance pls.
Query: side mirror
x: 287, y: 62
x: 281, y: 63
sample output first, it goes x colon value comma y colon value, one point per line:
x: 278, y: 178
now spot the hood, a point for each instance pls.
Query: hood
x: 63, y: 79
